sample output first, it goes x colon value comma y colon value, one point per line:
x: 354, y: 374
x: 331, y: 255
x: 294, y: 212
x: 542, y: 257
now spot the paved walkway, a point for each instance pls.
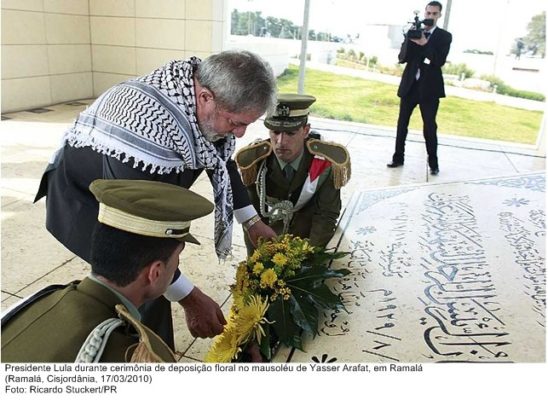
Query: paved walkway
x: 32, y: 258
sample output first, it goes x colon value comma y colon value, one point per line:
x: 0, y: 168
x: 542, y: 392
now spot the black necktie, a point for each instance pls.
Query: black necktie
x: 289, y: 172
x: 427, y: 34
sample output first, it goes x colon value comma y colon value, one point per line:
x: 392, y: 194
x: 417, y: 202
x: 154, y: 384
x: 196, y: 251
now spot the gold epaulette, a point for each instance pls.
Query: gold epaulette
x: 337, y: 155
x: 249, y: 157
x: 151, y: 348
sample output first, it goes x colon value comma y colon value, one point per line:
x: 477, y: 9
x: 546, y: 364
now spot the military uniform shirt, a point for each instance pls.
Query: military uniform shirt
x: 54, y: 327
x: 317, y: 219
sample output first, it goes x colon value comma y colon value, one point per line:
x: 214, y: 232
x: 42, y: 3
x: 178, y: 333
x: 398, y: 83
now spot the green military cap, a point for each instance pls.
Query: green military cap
x: 149, y: 208
x: 291, y: 112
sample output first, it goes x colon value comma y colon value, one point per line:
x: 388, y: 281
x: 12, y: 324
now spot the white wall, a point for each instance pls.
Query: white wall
x: 41, y: 63
x: 276, y: 51
x: 133, y: 37
x: 60, y: 50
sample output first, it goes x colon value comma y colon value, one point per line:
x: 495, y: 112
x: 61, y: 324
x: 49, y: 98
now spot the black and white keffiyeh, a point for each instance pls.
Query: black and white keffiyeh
x: 152, y: 120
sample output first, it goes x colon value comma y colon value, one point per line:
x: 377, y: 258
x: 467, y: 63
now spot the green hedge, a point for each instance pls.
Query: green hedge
x: 458, y: 70
x: 503, y: 88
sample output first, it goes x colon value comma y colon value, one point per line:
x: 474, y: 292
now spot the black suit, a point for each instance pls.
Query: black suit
x: 424, y: 92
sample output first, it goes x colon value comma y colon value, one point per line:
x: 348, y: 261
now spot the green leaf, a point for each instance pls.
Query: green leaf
x: 309, y: 285
x: 304, y: 313
x: 265, y: 344
x: 318, y: 273
x: 285, y: 327
x: 312, y: 277
x: 325, y: 258
x: 321, y: 296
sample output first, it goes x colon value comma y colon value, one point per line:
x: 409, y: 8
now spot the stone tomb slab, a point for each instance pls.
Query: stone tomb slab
x: 451, y: 272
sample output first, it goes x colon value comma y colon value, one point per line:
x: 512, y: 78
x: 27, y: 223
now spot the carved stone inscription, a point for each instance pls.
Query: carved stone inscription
x: 440, y: 273
x: 461, y: 302
x: 528, y: 258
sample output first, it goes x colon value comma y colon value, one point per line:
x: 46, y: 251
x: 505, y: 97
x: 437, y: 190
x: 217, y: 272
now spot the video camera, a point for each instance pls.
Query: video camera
x: 415, y: 32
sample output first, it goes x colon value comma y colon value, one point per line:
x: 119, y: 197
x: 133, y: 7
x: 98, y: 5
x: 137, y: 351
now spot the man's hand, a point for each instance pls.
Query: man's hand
x: 421, y: 41
x: 204, y: 317
x: 260, y: 229
x: 254, y: 352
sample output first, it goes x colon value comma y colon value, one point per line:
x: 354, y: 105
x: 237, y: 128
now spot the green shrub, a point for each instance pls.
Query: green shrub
x: 351, y: 55
x: 396, y: 69
x: 346, y: 117
x: 349, y: 64
x: 504, y: 89
x: 289, y: 73
x: 493, y: 80
x: 458, y: 69
x: 523, y: 94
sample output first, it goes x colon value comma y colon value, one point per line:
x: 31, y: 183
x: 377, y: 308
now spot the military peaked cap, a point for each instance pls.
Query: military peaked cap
x: 149, y: 208
x: 291, y: 112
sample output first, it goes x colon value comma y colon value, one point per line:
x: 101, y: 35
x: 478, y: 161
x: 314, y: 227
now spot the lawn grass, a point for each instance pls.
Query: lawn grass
x: 354, y: 99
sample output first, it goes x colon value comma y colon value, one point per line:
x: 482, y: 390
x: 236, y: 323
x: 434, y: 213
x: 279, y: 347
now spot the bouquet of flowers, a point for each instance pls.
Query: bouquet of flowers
x: 278, y: 294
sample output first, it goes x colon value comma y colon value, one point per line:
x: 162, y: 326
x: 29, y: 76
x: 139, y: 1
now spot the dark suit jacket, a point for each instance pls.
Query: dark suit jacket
x: 431, y: 79
x: 71, y: 209
x: 53, y: 327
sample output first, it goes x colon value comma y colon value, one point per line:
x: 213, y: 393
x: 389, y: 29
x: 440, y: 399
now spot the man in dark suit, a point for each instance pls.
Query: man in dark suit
x: 422, y: 84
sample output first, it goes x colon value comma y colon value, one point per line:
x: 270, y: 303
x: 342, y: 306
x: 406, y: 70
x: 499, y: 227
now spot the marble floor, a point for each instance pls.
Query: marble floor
x: 32, y: 258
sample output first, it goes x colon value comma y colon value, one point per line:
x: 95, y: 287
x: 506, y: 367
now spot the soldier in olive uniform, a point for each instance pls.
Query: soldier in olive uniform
x: 143, y: 227
x: 294, y: 178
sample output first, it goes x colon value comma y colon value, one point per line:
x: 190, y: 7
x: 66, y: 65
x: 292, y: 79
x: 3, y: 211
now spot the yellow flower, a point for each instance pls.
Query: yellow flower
x: 225, y: 348
x: 250, y: 318
x: 279, y: 259
x: 237, y: 302
x: 255, y: 256
x: 268, y: 278
x: 307, y: 247
x: 266, y: 271
x: 257, y: 269
x: 241, y: 277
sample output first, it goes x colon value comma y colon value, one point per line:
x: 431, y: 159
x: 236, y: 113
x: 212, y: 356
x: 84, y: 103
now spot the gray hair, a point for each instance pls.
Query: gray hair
x: 240, y: 80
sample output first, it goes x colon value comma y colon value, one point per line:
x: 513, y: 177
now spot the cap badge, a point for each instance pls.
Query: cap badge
x: 282, y: 110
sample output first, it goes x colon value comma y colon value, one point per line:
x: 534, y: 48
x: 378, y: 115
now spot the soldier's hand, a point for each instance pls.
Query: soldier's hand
x: 258, y: 230
x: 204, y: 317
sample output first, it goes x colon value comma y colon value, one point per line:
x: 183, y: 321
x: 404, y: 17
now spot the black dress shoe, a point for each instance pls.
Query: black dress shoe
x: 394, y: 165
x: 434, y: 171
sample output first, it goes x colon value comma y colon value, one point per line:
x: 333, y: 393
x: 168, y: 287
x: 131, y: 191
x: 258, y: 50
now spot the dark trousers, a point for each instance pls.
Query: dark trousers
x: 429, y: 109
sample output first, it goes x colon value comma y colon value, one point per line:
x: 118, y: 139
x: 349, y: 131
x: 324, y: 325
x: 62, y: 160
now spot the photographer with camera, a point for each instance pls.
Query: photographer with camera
x: 425, y: 51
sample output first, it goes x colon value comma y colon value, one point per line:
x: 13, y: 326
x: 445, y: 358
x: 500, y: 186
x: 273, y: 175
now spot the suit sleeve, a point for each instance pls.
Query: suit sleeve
x: 239, y: 192
x: 404, y: 51
x: 326, y: 211
x: 243, y: 209
x: 254, y: 198
x: 115, y: 169
x: 409, y: 51
x: 437, y: 51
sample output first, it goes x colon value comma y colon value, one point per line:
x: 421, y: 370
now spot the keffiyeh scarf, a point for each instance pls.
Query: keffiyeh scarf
x: 152, y: 120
